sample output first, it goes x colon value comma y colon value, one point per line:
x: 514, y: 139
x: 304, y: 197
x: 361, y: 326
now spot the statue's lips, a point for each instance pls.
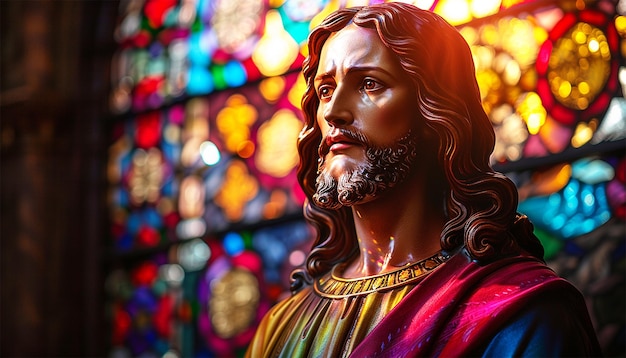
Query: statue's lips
x: 340, y: 142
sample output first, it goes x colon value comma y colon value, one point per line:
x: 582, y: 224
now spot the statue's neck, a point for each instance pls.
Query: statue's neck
x: 400, y: 227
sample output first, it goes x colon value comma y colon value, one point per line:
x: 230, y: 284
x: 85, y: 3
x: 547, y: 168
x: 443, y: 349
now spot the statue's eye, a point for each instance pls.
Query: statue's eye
x: 325, y: 92
x: 371, y: 85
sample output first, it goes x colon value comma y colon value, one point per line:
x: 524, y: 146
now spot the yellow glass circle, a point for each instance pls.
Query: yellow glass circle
x: 579, y: 66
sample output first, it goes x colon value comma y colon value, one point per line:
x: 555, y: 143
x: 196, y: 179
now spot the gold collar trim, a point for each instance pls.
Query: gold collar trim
x: 334, y: 286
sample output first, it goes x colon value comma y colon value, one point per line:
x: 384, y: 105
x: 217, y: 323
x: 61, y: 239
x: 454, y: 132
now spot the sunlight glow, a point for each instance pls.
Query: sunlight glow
x: 277, y: 50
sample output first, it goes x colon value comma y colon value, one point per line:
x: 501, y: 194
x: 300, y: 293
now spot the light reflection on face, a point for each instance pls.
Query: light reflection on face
x: 366, y: 114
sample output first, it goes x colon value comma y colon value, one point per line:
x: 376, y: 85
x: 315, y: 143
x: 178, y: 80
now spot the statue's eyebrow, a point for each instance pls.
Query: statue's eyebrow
x: 323, y: 76
x: 358, y: 68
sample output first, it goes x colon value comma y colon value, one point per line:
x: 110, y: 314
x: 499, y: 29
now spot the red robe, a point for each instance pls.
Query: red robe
x: 464, y: 307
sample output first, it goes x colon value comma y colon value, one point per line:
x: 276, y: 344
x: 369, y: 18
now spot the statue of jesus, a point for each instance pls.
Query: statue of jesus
x: 419, y: 250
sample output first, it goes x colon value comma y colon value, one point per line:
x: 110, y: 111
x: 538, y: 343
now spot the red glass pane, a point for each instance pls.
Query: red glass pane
x: 148, y: 131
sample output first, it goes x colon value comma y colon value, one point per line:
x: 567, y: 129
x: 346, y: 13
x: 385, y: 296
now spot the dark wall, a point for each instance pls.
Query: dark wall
x: 53, y: 131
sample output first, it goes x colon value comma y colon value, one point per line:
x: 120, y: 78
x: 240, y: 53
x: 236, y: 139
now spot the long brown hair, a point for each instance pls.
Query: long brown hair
x: 480, y: 204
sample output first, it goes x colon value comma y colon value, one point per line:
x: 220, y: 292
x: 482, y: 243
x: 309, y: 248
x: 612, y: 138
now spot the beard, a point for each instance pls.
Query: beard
x: 382, y: 170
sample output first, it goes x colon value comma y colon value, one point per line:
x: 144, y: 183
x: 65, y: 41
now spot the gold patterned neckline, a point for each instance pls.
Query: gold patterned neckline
x: 333, y: 286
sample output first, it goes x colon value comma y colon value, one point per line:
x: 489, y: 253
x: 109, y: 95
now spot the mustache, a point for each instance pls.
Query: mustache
x: 353, y: 135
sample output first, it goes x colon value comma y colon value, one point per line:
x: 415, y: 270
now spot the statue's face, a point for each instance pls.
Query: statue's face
x: 366, y: 111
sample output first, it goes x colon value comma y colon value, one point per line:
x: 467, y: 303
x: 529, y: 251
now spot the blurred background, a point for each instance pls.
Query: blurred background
x: 149, y: 205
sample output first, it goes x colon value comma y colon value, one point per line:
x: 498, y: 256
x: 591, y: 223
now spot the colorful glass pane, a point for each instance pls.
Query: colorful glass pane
x: 518, y: 66
x: 143, y: 307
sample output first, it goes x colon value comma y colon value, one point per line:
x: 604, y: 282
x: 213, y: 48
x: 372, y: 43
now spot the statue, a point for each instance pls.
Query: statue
x: 419, y: 248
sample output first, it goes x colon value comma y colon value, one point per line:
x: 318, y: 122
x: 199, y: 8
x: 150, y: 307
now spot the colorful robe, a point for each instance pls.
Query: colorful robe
x: 515, y: 306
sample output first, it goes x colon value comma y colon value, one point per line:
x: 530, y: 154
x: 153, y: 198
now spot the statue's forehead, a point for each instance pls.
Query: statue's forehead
x: 353, y: 45
x: 352, y: 38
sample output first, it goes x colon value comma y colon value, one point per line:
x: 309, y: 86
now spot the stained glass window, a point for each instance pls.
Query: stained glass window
x: 205, y: 209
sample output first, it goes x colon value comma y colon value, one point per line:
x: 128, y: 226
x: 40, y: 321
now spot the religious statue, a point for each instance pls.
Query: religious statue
x: 419, y: 248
